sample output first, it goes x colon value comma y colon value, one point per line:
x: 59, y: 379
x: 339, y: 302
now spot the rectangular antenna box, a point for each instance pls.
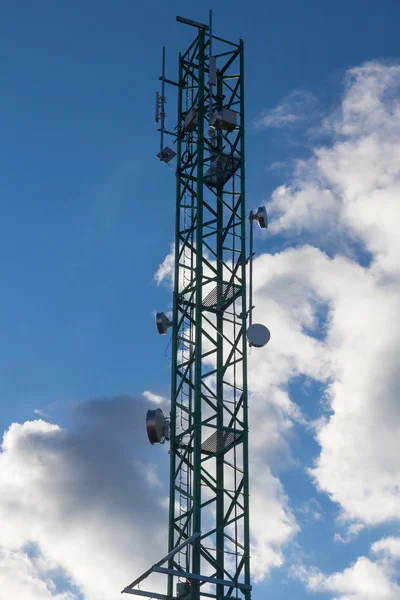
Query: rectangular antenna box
x: 224, y: 119
x: 191, y: 120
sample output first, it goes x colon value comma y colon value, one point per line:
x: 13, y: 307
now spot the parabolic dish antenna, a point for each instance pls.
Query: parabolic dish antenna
x: 157, y: 426
x: 258, y: 335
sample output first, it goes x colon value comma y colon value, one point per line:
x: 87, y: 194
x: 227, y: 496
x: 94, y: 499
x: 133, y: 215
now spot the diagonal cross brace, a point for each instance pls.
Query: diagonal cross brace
x: 190, y: 540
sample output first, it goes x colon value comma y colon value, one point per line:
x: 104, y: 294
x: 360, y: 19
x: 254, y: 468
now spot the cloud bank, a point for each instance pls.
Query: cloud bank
x: 75, y: 497
x: 353, y: 187
x: 342, y: 211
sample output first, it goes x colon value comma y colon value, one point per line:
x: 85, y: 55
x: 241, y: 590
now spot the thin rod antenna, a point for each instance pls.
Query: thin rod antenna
x: 210, y: 26
x: 251, y: 219
x: 210, y: 78
x: 162, y: 114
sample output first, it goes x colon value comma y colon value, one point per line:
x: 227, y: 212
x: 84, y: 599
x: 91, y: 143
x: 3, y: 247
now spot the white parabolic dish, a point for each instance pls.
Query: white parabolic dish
x: 258, y: 335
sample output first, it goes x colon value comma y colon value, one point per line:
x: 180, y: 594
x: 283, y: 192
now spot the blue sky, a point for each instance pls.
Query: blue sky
x: 88, y: 216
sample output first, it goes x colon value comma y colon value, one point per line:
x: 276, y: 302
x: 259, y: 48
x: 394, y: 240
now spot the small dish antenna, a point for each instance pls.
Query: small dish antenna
x: 261, y: 217
x: 163, y: 323
x: 258, y: 335
x: 157, y: 426
x: 166, y: 154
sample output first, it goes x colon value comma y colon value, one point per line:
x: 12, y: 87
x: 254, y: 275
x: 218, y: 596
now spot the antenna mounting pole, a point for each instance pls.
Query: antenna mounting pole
x: 162, y: 101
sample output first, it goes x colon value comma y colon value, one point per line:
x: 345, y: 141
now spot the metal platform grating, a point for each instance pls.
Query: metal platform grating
x: 222, y: 296
x: 221, y: 169
x: 220, y: 441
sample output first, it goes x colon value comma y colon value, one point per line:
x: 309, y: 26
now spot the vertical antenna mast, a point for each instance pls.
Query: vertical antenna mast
x: 211, y: 78
x: 209, y: 535
x: 162, y: 100
x: 165, y: 154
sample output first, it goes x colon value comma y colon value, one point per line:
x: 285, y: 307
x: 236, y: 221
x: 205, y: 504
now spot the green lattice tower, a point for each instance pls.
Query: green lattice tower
x: 209, y: 481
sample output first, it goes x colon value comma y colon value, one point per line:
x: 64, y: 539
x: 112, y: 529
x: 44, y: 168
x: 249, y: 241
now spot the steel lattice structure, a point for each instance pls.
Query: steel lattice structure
x: 209, y: 553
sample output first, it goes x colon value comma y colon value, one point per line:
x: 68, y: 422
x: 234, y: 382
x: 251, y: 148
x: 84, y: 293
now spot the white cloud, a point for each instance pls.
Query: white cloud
x: 87, y: 500
x: 294, y: 108
x: 348, y: 191
x: 290, y: 289
x: 272, y: 523
x: 303, y: 206
x: 353, y: 185
x: 350, y: 534
x: 22, y: 577
x: 165, y: 271
x: 365, y: 579
x: 40, y: 412
x: 359, y: 465
x: 153, y: 397
x: 311, y: 510
x: 389, y: 547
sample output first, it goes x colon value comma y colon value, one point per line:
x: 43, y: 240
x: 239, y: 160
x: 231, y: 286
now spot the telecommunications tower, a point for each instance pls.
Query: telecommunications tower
x: 209, y: 535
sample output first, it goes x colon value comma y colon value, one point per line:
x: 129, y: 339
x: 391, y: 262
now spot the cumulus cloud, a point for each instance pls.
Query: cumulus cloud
x: 389, y: 547
x: 365, y: 579
x: 346, y: 193
x: 22, y: 577
x: 77, y: 497
x: 358, y: 459
x: 353, y: 183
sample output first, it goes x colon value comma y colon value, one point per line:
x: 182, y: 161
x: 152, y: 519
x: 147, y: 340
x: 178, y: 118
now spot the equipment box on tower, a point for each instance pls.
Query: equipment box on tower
x: 224, y: 119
